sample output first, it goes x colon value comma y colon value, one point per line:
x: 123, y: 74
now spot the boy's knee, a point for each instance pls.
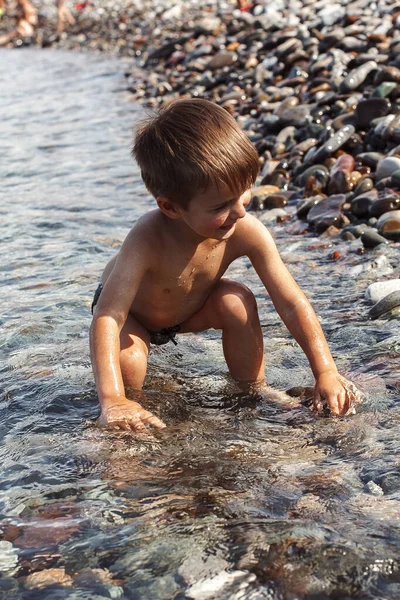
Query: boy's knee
x: 133, y: 356
x: 237, y: 302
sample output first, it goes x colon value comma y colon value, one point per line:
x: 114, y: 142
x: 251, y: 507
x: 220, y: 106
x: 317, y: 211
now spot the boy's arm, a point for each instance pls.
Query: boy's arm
x: 110, y: 315
x: 298, y: 316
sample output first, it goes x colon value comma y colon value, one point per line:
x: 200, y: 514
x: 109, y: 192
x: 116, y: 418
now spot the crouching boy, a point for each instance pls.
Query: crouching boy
x: 168, y: 277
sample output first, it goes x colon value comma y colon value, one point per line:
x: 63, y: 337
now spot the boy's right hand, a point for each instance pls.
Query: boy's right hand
x: 128, y: 415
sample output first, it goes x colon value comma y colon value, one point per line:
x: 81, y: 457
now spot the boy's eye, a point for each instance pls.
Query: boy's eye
x: 221, y: 207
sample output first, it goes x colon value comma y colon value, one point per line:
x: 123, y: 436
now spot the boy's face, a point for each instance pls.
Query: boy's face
x: 215, y: 212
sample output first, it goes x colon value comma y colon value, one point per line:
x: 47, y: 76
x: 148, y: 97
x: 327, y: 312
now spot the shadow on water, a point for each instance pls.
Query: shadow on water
x: 238, y: 498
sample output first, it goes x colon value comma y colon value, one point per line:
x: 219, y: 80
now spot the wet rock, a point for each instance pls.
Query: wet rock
x: 8, y: 558
x: 306, y: 205
x: 363, y: 185
x: 371, y: 239
x: 384, y: 306
x: 357, y: 77
x: 378, y: 290
x: 361, y: 204
x: 339, y: 177
x: 356, y: 230
x: 347, y: 236
x: 371, y: 159
x: 320, y: 172
x: 370, y: 109
x: 334, y: 143
x: 387, y: 166
x: 275, y: 201
x: 383, y: 205
x: 388, y: 224
x: 327, y: 212
x: 387, y: 73
x: 295, y: 116
x: 270, y: 216
x: 374, y: 488
x: 46, y: 578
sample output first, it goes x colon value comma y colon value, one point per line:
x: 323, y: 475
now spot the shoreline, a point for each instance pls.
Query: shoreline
x: 315, y: 86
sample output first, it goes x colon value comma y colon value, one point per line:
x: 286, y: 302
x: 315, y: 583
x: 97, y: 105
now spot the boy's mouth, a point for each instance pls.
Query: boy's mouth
x: 227, y: 227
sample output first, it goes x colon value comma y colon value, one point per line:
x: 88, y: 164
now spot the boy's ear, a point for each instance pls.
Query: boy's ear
x: 169, y: 208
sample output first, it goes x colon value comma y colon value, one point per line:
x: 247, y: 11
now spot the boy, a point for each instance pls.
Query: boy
x: 168, y: 275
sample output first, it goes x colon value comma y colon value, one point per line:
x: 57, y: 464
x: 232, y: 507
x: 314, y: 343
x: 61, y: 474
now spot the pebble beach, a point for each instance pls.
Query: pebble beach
x: 233, y: 501
x: 315, y: 85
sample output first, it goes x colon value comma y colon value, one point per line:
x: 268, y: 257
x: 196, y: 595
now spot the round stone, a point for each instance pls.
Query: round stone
x: 378, y: 290
x: 387, y: 166
x: 389, y: 221
x: 371, y: 239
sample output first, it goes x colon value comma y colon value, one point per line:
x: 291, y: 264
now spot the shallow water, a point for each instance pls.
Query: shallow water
x: 234, y: 500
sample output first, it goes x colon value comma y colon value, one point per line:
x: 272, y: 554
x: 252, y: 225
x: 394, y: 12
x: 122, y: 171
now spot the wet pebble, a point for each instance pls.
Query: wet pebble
x: 378, y: 290
x: 334, y: 143
x: 387, y: 166
x: 387, y: 304
x: 388, y: 224
x: 371, y: 239
x: 8, y: 558
x: 327, y: 212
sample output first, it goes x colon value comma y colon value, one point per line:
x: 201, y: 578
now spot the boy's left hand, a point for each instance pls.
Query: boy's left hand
x: 336, y: 392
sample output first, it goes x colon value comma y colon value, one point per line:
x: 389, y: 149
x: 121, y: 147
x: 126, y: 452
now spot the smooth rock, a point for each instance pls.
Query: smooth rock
x: 360, y: 205
x: 224, y: 59
x: 327, y: 212
x: 306, y: 204
x: 270, y: 216
x: 387, y: 304
x: 384, y: 205
x: 356, y: 77
x: 334, y: 143
x: 371, y: 109
x: 387, y: 166
x: 378, y: 290
x: 46, y: 578
x: 371, y: 239
x: 275, y: 201
x: 388, y: 225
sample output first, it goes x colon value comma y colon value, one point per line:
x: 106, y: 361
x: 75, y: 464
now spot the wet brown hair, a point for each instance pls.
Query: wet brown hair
x: 191, y: 144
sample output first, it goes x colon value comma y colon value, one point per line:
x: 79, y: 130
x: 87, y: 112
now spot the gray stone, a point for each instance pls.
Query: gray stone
x: 378, y: 290
x: 386, y: 167
x: 371, y: 239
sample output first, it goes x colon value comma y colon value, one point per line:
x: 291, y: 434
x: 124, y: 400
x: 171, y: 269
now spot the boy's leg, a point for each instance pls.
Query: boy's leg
x: 232, y: 307
x: 135, y: 347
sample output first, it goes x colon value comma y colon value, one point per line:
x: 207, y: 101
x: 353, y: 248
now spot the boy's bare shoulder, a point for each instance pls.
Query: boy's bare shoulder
x: 145, y: 232
x: 250, y: 234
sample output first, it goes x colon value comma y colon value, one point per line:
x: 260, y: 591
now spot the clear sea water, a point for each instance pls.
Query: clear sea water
x: 234, y: 500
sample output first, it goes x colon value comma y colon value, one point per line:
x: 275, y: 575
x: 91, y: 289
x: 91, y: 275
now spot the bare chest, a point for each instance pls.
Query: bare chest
x: 182, y: 275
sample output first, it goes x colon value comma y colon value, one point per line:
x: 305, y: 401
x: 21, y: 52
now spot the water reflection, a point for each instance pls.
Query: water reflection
x: 235, y: 499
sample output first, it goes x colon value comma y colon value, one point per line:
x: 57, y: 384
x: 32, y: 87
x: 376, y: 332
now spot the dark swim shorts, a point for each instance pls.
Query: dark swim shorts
x: 156, y: 337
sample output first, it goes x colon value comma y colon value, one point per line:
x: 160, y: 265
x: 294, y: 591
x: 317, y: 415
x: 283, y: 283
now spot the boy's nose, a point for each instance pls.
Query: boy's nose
x: 238, y: 209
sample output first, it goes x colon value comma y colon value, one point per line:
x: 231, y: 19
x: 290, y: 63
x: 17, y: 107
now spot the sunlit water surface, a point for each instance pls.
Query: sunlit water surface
x: 234, y: 500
